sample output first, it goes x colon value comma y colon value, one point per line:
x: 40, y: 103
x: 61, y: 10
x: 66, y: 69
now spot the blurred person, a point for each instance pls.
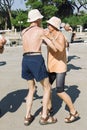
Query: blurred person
x: 57, y: 65
x: 33, y: 66
x: 68, y: 27
x: 2, y: 43
x: 67, y: 31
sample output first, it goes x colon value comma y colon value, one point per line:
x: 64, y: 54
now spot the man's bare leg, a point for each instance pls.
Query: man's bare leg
x: 47, y: 90
x: 29, y: 99
x: 49, y: 106
x: 45, y: 118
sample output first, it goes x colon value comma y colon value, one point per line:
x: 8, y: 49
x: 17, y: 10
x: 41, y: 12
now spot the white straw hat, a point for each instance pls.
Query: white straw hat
x: 34, y: 15
x: 54, y: 21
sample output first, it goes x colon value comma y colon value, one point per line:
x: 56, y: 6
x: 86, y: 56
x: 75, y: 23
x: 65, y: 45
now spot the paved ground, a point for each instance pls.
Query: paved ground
x: 13, y: 91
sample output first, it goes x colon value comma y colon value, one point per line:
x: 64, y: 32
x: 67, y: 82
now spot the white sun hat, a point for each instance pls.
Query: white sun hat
x: 34, y: 15
x: 54, y: 21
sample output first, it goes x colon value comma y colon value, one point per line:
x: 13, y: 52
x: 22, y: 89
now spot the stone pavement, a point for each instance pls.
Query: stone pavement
x: 13, y: 91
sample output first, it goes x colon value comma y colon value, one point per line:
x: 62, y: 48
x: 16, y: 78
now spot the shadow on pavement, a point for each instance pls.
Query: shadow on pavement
x: 12, y: 101
x: 2, y: 63
x: 72, y: 67
x: 74, y: 57
x: 73, y: 92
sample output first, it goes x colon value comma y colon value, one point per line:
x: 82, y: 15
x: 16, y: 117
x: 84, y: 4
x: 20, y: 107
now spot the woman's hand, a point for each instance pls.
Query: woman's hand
x: 47, y: 33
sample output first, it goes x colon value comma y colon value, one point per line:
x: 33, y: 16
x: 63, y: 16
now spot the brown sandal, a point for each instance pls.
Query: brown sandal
x: 47, y: 120
x: 29, y: 120
x: 72, y: 117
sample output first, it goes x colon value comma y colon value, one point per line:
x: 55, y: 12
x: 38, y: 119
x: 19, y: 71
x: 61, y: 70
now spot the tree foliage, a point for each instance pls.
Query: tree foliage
x: 79, y: 4
x: 48, y: 8
x: 76, y: 20
x: 5, y: 12
x: 66, y: 9
x: 19, y: 18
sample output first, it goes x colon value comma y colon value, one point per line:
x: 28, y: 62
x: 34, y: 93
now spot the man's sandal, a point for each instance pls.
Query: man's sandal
x: 47, y: 120
x: 29, y: 120
x: 72, y: 117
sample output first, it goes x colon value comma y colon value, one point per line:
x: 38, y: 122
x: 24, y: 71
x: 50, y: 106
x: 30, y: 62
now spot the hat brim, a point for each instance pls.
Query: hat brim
x: 53, y: 25
x: 32, y: 20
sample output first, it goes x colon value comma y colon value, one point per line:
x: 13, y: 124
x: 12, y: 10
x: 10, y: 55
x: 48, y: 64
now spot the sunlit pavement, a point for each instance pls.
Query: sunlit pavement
x: 13, y: 90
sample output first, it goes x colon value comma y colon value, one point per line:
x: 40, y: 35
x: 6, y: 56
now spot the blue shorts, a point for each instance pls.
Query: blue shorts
x: 33, y: 67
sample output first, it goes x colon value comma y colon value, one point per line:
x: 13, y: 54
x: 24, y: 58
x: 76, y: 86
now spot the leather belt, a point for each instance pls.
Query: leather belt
x: 31, y: 53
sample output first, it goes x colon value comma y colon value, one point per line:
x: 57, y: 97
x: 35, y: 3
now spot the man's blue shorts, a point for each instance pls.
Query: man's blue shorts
x: 33, y: 67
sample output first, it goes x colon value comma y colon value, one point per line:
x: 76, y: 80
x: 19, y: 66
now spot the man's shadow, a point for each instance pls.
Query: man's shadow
x: 73, y: 92
x: 12, y: 101
x: 2, y: 63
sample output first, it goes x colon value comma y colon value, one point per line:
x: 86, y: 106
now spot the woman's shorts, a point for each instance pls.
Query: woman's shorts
x: 33, y: 67
x: 60, y: 80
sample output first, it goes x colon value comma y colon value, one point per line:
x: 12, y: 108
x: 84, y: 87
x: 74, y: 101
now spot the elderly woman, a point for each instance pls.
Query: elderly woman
x: 57, y: 65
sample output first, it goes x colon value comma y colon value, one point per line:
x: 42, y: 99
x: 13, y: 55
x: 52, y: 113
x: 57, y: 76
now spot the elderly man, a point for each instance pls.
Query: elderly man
x: 33, y: 66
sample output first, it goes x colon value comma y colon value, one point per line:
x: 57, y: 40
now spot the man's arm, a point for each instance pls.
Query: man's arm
x: 49, y: 43
x: 59, y: 41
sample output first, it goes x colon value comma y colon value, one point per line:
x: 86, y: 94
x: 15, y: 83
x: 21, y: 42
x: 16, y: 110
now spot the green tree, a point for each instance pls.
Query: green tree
x: 44, y: 7
x: 5, y: 12
x: 19, y: 18
x: 66, y: 9
x: 60, y: 8
x: 78, y: 4
x: 49, y: 8
x: 76, y: 20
